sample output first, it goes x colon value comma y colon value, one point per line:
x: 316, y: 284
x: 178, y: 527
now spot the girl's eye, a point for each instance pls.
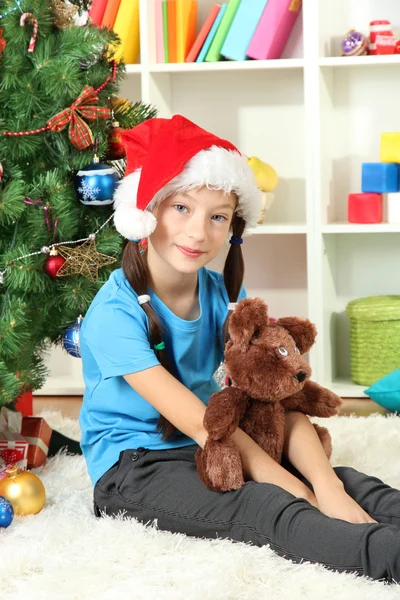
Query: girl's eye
x: 283, y: 351
x: 219, y: 218
x: 180, y: 207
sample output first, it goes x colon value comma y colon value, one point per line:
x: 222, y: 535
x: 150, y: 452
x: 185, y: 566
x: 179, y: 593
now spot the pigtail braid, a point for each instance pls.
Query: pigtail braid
x: 233, y: 270
x: 136, y: 271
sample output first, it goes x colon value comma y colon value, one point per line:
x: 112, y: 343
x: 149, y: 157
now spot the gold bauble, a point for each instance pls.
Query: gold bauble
x: 24, y: 490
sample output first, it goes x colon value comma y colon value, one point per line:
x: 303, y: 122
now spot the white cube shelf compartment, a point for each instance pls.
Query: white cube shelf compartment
x: 315, y: 117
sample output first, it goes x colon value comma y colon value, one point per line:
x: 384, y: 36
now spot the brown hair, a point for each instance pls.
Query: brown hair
x: 136, y: 271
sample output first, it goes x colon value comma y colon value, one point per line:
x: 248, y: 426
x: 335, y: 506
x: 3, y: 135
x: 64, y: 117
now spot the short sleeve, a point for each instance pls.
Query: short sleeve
x: 118, y: 338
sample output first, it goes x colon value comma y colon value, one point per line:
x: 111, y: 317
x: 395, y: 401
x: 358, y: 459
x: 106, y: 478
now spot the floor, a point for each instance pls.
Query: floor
x: 69, y: 406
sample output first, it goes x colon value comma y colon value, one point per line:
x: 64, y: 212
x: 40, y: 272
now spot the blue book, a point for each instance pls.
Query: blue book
x: 211, y: 35
x: 242, y: 29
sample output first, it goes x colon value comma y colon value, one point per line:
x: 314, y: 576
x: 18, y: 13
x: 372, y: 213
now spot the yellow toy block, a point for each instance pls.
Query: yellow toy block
x: 390, y: 147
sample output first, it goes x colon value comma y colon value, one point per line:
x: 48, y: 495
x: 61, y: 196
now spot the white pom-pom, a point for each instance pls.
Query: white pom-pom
x: 134, y: 224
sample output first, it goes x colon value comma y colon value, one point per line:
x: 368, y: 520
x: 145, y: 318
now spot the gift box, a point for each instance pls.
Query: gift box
x: 13, y: 446
x: 37, y: 433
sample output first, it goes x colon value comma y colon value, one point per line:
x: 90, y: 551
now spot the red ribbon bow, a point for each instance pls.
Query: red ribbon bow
x: 79, y: 132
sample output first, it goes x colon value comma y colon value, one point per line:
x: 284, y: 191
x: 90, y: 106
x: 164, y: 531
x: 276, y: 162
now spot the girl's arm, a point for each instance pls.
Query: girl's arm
x: 304, y: 450
x: 186, y: 411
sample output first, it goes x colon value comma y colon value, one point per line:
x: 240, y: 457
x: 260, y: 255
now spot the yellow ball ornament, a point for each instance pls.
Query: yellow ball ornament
x: 24, y: 490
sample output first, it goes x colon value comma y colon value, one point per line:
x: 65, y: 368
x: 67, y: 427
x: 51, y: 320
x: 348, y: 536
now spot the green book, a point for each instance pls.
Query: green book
x: 214, y: 53
x: 165, y: 29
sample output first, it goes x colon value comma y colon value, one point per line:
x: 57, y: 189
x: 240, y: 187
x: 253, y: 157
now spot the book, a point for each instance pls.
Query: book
x: 214, y: 53
x: 126, y: 26
x: 171, y: 11
x: 97, y: 10
x: 203, y: 33
x: 110, y: 13
x: 182, y: 20
x: 159, y: 32
x: 192, y: 27
x: 242, y: 29
x: 165, y: 30
x: 273, y: 29
x: 212, y: 33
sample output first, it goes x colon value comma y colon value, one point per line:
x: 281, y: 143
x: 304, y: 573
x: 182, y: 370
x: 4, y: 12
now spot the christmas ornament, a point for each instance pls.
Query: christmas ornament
x: 116, y: 149
x: 24, y: 490
x: 3, y: 42
x: 93, y: 57
x: 95, y: 184
x: 64, y: 13
x: 79, y: 131
x: 354, y: 44
x: 53, y: 263
x: 34, y: 20
x: 1, y: 171
x: 70, y: 339
x: 381, y: 37
x: 119, y: 166
x: 83, y: 260
x: 6, y: 512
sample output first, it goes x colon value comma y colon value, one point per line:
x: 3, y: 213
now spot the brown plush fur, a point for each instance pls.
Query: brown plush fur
x: 269, y: 377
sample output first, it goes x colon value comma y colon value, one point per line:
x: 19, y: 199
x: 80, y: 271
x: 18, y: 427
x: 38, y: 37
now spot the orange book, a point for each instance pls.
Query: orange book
x: 182, y: 20
x: 171, y: 10
x: 110, y: 13
x: 204, y: 31
x: 192, y: 27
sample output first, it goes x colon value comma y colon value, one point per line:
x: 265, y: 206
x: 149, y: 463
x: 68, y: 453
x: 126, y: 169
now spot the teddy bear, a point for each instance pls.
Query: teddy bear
x: 269, y: 376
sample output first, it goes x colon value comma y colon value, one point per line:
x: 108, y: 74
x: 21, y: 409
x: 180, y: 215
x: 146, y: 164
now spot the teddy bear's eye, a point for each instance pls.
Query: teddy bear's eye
x: 296, y: 350
x: 283, y: 351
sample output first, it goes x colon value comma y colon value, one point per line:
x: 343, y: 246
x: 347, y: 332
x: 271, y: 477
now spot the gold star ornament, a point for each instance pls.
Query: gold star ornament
x: 83, y: 260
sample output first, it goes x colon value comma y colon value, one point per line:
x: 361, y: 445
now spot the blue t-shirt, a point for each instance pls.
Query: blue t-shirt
x: 114, y: 341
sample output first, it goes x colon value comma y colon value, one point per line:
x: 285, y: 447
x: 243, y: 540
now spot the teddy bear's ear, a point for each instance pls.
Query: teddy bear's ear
x: 248, y: 318
x: 302, y: 331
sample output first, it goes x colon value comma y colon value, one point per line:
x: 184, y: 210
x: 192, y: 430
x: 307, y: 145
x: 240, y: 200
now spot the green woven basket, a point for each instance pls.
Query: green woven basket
x: 374, y: 337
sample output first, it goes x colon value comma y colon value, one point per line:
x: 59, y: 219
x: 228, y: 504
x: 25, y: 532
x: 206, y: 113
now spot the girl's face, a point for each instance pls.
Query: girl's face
x: 192, y: 227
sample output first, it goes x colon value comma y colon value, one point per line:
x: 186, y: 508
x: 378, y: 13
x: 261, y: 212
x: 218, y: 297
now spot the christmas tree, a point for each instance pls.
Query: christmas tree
x: 59, y: 115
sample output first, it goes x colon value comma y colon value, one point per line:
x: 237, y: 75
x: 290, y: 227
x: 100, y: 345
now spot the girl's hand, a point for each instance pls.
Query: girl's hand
x: 334, y: 502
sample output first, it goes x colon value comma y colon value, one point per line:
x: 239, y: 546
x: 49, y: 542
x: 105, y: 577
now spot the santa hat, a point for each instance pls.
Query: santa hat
x: 168, y: 156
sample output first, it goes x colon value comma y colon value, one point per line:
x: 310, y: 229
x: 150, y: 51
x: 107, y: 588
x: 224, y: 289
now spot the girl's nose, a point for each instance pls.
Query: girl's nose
x: 196, y: 229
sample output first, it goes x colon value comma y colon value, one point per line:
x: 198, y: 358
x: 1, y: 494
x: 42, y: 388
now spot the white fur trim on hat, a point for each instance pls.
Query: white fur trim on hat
x: 216, y: 168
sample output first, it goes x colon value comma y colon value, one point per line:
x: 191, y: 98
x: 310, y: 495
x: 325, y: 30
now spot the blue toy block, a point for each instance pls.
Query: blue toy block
x: 380, y: 177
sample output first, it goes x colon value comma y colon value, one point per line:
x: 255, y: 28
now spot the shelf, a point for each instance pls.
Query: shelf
x: 246, y: 65
x: 133, y: 68
x: 279, y: 228
x: 346, y: 388
x: 361, y: 228
x: 359, y: 61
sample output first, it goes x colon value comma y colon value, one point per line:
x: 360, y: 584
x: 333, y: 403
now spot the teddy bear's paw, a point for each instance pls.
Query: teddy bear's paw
x: 331, y: 403
x: 221, y: 466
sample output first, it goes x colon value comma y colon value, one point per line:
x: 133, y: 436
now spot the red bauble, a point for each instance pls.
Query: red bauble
x: 116, y: 149
x: 52, y: 264
x: 3, y: 42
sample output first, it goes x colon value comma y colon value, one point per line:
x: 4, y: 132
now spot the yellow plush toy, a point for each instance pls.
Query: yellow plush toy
x: 266, y: 179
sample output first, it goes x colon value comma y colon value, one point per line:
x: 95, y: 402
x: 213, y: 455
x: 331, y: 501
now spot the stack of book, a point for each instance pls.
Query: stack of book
x: 236, y: 30
x: 123, y: 17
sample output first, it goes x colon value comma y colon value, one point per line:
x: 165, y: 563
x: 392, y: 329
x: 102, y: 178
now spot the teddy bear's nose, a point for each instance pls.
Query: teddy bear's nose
x: 301, y: 376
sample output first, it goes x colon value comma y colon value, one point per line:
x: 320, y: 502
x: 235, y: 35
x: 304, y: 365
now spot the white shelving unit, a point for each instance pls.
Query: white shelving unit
x: 315, y: 116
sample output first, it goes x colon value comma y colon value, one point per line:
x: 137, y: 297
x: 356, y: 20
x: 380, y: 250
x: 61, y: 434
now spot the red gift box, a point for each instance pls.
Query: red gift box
x: 13, y: 446
x: 37, y: 433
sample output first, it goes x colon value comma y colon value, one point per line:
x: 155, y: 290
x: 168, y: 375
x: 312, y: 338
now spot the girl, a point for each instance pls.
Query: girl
x: 150, y: 343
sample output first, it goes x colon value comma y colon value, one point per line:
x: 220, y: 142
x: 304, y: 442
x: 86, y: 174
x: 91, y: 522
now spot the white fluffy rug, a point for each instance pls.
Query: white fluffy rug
x: 64, y: 552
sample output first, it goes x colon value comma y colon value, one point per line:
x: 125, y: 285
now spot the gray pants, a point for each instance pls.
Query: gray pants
x: 163, y: 486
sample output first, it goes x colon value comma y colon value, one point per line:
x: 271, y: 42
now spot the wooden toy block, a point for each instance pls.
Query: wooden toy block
x: 393, y: 207
x: 390, y: 147
x: 380, y: 178
x: 365, y: 208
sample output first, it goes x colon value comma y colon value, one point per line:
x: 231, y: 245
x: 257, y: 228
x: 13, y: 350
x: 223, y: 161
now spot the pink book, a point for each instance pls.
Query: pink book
x: 273, y: 29
x: 160, y: 56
